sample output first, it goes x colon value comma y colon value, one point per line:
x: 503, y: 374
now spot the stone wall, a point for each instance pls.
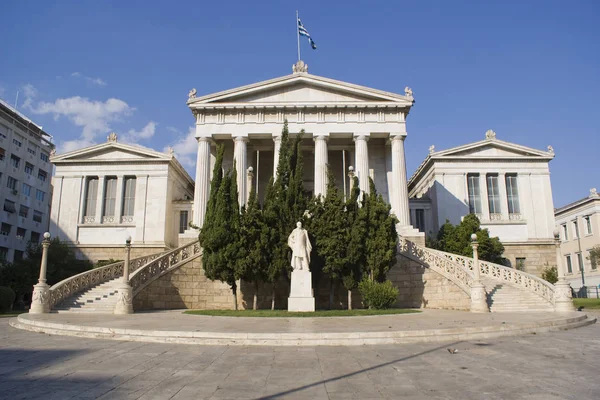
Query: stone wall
x: 187, y: 287
x: 537, y: 256
x: 95, y: 254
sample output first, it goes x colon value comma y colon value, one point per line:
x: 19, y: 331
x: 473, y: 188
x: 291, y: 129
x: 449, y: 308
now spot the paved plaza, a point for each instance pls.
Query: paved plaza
x: 555, y: 365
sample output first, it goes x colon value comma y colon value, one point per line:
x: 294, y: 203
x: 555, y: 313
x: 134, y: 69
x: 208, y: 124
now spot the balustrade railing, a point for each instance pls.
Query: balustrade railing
x: 152, y: 270
x: 91, y: 278
x: 505, y: 274
x: 457, y: 273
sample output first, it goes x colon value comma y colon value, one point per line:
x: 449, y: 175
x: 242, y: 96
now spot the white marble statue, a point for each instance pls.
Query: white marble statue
x: 301, y: 248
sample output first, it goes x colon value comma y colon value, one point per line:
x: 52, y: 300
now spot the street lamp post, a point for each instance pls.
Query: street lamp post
x: 478, y: 294
x: 124, y: 291
x: 563, y: 301
x: 39, y: 300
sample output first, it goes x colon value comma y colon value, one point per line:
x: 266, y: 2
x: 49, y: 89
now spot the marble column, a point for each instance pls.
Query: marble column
x: 202, y: 188
x: 400, y: 188
x: 362, y: 162
x: 240, y: 156
x: 321, y: 161
x: 276, y: 148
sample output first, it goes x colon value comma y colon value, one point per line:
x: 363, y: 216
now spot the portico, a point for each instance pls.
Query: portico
x: 344, y: 125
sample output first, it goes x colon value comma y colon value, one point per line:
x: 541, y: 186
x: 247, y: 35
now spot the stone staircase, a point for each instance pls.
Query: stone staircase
x: 100, y: 299
x: 502, y: 297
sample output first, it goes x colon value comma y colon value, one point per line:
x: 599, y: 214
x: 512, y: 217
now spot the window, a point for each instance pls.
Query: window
x: 580, y: 261
x: 28, y: 168
x: 129, y: 197
x: 9, y: 206
x: 474, y: 194
x: 11, y: 183
x: 512, y: 194
x: 2, y: 152
x: 44, y: 156
x: 588, y: 224
x: 110, y: 195
x: 91, y: 196
x: 17, y: 143
x: 26, y: 189
x: 520, y: 264
x: 39, y: 195
x: 35, y: 237
x: 5, y: 229
x: 3, y: 253
x: 23, y: 211
x: 31, y: 151
x: 42, y: 175
x: 18, y: 255
x: 15, y: 161
x: 37, y: 216
x: 493, y: 194
x: 569, y: 265
x: 575, y: 229
x: 21, y: 232
x: 565, y: 232
x: 420, y: 219
x: 183, y: 221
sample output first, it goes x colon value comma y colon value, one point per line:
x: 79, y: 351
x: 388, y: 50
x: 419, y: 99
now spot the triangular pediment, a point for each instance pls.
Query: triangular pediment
x: 301, y: 88
x: 111, y: 152
x: 490, y: 149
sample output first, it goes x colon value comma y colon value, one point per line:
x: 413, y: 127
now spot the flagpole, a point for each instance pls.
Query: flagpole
x: 298, y: 35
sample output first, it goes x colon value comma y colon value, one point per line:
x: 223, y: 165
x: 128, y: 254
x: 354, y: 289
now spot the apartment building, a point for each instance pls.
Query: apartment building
x: 25, y: 189
x: 579, y: 227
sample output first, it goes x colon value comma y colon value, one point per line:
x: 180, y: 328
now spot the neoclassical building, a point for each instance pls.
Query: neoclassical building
x: 505, y: 184
x: 346, y: 127
x: 106, y: 193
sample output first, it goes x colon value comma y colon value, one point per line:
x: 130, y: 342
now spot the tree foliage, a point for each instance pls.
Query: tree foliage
x: 21, y: 275
x: 550, y: 274
x: 594, y: 256
x: 457, y: 239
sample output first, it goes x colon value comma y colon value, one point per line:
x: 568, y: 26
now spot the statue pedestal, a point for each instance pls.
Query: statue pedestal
x: 301, y: 296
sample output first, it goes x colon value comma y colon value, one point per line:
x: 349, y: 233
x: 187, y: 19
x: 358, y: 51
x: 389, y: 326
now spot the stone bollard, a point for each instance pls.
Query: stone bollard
x: 478, y: 294
x: 40, y: 302
x: 563, y: 301
x: 124, y: 291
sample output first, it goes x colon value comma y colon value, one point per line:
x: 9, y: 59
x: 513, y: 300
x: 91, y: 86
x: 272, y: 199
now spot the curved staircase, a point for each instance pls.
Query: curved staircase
x: 95, y: 291
x: 508, y: 289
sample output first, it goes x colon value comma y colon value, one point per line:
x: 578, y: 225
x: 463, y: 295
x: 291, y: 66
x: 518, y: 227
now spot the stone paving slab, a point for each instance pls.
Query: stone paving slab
x: 556, y: 365
x: 176, y: 327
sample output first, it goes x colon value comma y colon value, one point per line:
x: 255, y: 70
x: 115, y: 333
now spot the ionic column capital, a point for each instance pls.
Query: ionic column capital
x: 204, y: 139
x: 364, y: 136
x: 397, y: 137
x: 277, y: 139
x: 241, y: 139
x: 321, y: 137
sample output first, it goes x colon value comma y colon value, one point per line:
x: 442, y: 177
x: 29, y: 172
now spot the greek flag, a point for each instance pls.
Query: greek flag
x: 303, y: 32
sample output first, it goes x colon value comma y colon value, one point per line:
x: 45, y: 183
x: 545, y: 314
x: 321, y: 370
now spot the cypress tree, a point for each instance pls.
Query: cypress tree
x: 380, y: 235
x: 255, y: 240
x: 332, y: 235
x: 355, y: 254
x: 209, y: 219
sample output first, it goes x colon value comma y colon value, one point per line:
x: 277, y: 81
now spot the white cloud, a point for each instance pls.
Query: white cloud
x: 94, y: 117
x: 95, y: 81
x: 186, y: 148
x: 133, y: 136
x: 30, y: 93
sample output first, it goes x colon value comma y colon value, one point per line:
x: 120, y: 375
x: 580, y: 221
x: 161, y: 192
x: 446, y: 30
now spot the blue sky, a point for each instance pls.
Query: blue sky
x: 530, y: 70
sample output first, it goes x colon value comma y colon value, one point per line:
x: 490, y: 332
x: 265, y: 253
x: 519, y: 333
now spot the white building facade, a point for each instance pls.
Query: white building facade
x: 25, y: 190
x: 106, y: 193
x: 579, y: 227
x: 506, y: 185
x: 345, y: 126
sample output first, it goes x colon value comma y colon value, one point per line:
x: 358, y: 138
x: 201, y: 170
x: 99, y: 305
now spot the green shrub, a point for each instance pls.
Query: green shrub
x: 378, y: 295
x: 550, y: 274
x: 7, y: 298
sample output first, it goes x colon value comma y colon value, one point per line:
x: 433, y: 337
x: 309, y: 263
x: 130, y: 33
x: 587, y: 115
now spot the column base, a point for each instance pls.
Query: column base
x: 124, y: 301
x: 563, y: 299
x: 479, y: 298
x: 40, y: 299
